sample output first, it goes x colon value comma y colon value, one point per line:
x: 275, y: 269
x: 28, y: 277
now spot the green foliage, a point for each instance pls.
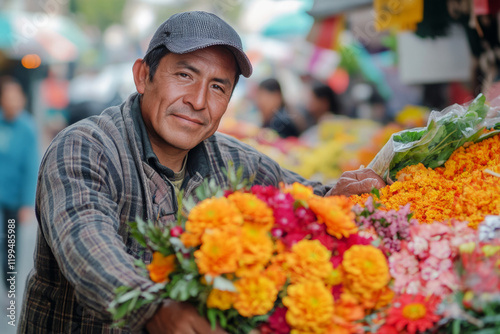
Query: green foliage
x: 435, y: 144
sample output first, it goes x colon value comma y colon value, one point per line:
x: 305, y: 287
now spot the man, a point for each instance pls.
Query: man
x: 18, y: 167
x: 105, y: 171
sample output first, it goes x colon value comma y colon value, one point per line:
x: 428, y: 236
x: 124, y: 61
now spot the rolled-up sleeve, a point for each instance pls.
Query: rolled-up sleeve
x: 80, y: 189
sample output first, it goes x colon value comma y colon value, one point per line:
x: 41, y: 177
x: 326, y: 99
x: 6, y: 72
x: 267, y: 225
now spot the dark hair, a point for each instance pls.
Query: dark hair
x: 323, y: 91
x: 271, y: 85
x: 153, y: 58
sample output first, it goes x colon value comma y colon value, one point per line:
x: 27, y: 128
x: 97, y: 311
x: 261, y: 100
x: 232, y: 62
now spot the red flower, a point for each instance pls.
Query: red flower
x: 277, y: 321
x: 416, y: 313
x: 387, y: 330
x: 326, y: 240
x: 293, y: 237
x: 176, y: 231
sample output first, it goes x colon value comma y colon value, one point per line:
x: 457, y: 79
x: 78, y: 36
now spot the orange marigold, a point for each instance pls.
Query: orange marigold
x: 310, y: 307
x: 349, y: 308
x: 257, y: 250
x: 298, y: 191
x: 161, y: 267
x: 209, y: 214
x: 220, y: 299
x: 256, y: 296
x: 464, y: 188
x: 276, y: 274
x: 254, y: 210
x: 219, y: 252
x: 335, y: 212
x: 365, y: 270
x: 309, y: 260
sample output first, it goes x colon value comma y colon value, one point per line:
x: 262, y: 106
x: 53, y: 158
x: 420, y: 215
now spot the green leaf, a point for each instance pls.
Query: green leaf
x: 128, y: 296
x: 375, y: 192
x: 456, y: 326
x: 409, y: 136
x: 212, y: 318
x: 193, y: 288
x: 179, y: 291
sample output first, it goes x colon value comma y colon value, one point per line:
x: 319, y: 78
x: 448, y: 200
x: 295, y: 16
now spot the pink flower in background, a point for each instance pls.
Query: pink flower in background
x: 419, y: 246
x: 277, y: 321
x: 440, y: 249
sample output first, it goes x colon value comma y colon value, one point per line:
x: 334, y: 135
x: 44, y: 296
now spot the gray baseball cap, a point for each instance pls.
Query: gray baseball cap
x: 190, y: 31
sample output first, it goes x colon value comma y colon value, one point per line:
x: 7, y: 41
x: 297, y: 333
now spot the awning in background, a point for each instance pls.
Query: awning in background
x: 326, y: 8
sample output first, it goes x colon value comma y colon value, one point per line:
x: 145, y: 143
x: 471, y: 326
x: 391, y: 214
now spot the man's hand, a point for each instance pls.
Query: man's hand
x: 179, y: 318
x: 357, y: 182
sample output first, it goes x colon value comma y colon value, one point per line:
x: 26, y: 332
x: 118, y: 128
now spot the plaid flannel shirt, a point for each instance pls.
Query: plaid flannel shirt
x: 92, y: 181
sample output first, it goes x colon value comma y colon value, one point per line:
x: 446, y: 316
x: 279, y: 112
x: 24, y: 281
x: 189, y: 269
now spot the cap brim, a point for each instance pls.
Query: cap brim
x: 191, y: 44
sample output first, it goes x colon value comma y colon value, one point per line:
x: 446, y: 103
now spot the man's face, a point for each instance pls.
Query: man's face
x: 12, y: 100
x: 187, y: 97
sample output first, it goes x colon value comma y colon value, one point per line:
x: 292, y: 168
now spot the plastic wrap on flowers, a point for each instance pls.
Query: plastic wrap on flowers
x: 432, y: 145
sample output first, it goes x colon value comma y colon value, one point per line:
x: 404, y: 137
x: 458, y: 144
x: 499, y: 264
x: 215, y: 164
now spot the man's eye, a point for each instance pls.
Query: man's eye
x: 184, y: 75
x: 218, y: 87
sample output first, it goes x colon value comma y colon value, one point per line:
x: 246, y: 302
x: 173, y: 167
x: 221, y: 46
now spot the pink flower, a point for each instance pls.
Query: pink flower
x: 440, y: 249
x: 419, y: 246
x: 277, y: 321
x: 404, y: 269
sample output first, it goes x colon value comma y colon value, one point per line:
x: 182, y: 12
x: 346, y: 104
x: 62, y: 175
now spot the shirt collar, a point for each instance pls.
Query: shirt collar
x: 197, y: 159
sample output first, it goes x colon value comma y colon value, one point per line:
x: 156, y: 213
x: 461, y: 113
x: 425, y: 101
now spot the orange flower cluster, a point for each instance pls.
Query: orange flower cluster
x: 161, y: 267
x: 466, y: 188
x: 233, y: 238
x: 366, y: 273
x: 209, y: 214
x: 335, y: 212
x: 309, y: 260
x: 310, y: 307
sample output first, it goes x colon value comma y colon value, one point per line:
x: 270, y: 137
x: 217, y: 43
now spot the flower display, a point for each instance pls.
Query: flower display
x: 421, y: 255
x: 466, y: 188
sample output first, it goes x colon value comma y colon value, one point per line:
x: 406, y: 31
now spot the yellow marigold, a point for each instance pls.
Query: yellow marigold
x: 254, y: 210
x: 464, y: 188
x: 276, y: 274
x: 161, y: 267
x: 309, y: 260
x: 220, y: 299
x: 366, y: 270
x: 335, y: 212
x: 209, y: 214
x: 310, y: 307
x: 256, y: 296
x: 219, y: 252
x: 257, y: 250
x: 298, y: 191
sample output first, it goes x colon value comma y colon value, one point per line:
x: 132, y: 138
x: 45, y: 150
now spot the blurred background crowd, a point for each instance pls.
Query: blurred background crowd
x: 333, y: 79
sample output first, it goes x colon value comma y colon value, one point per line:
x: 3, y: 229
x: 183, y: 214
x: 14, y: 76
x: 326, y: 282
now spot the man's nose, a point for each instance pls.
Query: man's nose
x: 197, y: 96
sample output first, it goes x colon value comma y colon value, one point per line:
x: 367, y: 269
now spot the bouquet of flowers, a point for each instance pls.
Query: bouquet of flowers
x: 279, y: 260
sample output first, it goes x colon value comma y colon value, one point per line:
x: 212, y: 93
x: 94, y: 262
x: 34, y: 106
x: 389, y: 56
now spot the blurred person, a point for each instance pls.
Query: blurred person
x: 129, y: 162
x: 271, y: 105
x: 18, y: 166
x: 322, y: 104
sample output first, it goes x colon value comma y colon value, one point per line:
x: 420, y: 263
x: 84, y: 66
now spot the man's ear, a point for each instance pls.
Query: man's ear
x: 141, y: 75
